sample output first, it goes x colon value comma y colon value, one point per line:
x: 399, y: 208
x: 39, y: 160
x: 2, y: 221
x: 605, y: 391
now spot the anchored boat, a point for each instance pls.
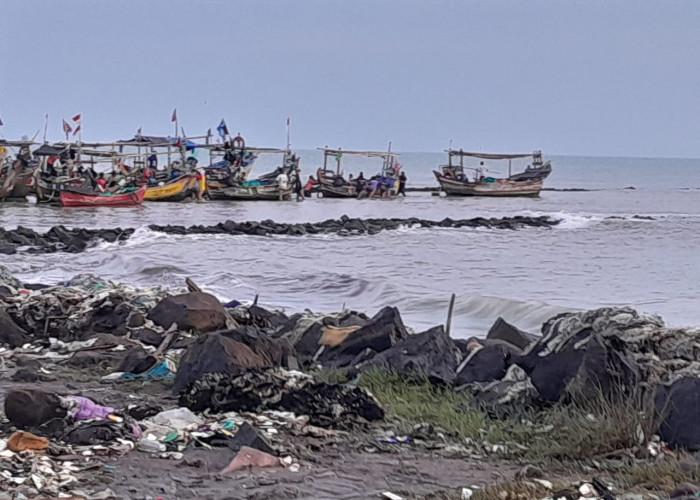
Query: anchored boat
x: 275, y: 185
x: 16, y: 172
x: 81, y: 197
x: 454, y: 179
x: 332, y: 183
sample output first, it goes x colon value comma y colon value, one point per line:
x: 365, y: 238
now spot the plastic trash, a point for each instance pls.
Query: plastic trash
x: 86, y: 409
x: 177, y: 418
x: 150, y: 446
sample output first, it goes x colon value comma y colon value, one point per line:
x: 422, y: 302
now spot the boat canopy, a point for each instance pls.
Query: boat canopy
x: 49, y: 150
x: 14, y: 144
x: 371, y: 154
x: 492, y: 156
x: 154, y: 141
x: 222, y: 149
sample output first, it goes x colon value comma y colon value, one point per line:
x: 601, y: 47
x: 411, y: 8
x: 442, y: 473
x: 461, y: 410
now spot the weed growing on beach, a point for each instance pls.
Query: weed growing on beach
x: 412, y: 401
x: 585, y: 428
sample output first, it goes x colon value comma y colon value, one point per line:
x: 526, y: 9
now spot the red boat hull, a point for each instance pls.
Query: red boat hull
x: 73, y: 199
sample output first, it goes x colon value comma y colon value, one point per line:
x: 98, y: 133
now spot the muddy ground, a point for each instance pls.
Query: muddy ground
x: 352, y: 466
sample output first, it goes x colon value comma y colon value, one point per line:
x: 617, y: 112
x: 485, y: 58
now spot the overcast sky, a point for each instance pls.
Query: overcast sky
x: 570, y: 77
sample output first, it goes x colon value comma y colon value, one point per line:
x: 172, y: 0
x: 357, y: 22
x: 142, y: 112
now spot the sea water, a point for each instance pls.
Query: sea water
x: 629, y: 235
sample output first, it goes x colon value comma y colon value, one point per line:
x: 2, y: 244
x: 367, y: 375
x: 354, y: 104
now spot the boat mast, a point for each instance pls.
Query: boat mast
x: 337, y: 162
x: 510, y: 160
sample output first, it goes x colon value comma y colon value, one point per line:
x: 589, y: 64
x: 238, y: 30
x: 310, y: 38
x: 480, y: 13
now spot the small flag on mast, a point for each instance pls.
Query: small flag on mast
x: 66, y: 127
x: 77, y: 119
x: 222, y: 129
x: 1, y: 122
x: 174, y: 117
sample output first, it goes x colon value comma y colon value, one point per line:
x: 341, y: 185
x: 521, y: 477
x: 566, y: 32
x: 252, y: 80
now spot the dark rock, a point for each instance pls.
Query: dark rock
x: 147, y: 336
x: 110, y: 316
x: 215, y: 353
x: 136, y: 360
x: 380, y: 333
x: 10, y: 333
x: 679, y: 407
x: 308, y: 343
x: 30, y: 408
x: 487, y: 363
x: 502, y: 330
x: 197, y: 311
x: 432, y: 354
x: 588, y: 359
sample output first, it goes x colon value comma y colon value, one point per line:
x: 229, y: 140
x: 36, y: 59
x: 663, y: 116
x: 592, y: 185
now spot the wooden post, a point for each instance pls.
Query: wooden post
x: 449, y: 315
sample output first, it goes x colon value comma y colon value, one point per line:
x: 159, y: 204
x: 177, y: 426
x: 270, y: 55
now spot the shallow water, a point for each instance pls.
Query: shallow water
x: 526, y: 276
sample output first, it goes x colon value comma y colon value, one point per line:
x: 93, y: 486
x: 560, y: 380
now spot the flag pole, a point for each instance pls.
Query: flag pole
x: 46, y: 124
x: 288, y: 143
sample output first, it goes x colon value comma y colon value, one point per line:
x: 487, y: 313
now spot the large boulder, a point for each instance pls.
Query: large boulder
x: 489, y: 360
x: 10, y: 333
x: 502, y: 330
x: 678, y: 405
x: 197, y: 311
x: 306, y: 330
x: 218, y: 353
x: 432, y: 354
x: 383, y: 331
x: 588, y: 353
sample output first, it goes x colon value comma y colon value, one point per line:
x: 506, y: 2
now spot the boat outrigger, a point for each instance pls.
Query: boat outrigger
x: 454, y: 181
x: 332, y: 183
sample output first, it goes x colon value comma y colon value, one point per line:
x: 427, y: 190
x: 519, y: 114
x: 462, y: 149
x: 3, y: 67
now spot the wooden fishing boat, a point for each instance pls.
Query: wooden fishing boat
x: 332, y: 184
x: 177, y: 189
x: 266, y: 187
x: 76, y: 197
x: 16, y: 173
x: 454, y: 181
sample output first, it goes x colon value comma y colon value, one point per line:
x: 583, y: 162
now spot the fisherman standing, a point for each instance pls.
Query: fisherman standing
x: 402, y: 184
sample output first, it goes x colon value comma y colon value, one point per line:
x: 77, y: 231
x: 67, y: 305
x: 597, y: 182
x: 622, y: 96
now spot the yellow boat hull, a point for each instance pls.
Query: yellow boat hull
x: 176, y: 190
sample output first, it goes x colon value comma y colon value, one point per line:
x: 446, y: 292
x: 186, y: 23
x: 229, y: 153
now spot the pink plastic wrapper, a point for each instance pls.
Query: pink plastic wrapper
x: 87, y: 409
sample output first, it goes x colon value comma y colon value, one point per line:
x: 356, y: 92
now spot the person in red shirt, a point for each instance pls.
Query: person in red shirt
x: 101, y: 182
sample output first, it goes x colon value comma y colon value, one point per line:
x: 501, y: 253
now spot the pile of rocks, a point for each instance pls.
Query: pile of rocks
x: 61, y: 239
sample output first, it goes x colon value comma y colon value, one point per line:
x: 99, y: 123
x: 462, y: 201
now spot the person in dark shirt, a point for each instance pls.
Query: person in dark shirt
x: 402, y: 184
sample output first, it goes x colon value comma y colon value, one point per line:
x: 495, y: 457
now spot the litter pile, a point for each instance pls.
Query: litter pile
x: 240, y: 378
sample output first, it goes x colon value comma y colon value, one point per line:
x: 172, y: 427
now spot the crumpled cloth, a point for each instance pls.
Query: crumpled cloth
x: 85, y: 409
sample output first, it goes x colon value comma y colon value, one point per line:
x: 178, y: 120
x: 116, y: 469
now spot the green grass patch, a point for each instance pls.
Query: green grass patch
x: 598, y: 427
x: 412, y: 401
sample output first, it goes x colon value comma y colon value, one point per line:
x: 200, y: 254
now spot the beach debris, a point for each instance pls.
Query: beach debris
x: 326, y: 405
x: 229, y: 353
x: 21, y: 441
x: 195, y: 311
x: 251, y: 457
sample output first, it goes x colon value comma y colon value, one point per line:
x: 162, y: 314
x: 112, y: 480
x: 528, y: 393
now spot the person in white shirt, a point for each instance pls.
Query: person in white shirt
x: 283, y: 183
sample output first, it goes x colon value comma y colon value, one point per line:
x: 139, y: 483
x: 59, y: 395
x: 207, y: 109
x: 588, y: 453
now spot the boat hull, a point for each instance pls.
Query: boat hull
x: 251, y: 193
x: 500, y: 188
x: 75, y: 199
x: 176, y: 190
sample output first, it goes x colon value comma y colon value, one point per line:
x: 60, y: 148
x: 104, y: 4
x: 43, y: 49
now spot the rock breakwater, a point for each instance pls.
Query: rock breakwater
x: 62, y: 239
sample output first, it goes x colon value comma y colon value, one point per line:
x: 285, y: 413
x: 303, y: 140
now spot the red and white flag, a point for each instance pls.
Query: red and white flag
x: 174, y: 117
x: 76, y: 118
x: 77, y: 129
